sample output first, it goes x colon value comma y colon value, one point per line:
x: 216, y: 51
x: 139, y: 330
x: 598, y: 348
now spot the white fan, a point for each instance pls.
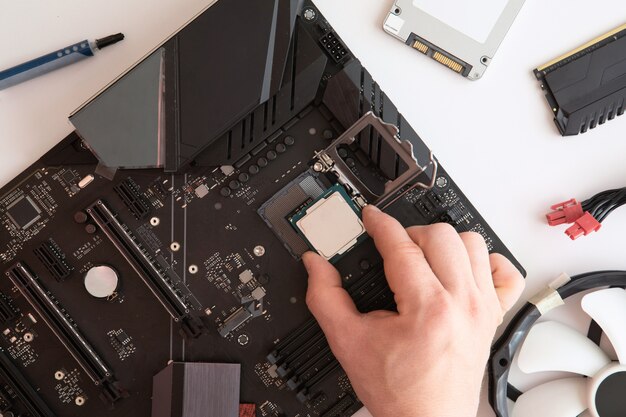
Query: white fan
x: 600, y: 387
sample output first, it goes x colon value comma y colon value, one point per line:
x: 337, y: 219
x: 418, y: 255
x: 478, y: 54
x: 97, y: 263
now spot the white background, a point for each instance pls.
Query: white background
x: 495, y: 136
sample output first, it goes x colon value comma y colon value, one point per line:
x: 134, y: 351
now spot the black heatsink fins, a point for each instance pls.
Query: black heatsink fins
x: 587, y: 87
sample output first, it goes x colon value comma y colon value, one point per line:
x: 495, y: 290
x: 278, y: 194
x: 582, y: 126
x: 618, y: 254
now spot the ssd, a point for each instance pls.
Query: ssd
x: 463, y: 36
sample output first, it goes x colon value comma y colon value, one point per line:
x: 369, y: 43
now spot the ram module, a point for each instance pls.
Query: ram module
x: 587, y: 86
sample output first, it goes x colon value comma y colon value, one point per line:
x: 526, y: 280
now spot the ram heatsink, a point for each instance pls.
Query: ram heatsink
x: 587, y: 86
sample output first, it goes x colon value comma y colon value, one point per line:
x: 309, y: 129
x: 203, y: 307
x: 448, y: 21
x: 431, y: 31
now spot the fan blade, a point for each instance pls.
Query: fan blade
x: 561, y: 398
x: 552, y: 346
x: 608, y: 309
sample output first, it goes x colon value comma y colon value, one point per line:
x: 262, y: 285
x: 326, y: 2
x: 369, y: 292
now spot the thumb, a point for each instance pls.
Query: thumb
x: 507, y: 281
x: 328, y: 301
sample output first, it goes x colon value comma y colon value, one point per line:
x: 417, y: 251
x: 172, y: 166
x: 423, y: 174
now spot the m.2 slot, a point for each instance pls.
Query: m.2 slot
x: 64, y: 329
x: 20, y: 391
x: 151, y: 273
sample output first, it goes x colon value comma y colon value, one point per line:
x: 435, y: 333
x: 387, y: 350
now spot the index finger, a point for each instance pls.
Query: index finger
x: 408, y: 273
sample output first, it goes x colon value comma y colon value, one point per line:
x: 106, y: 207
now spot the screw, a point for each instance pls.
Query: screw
x: 259, y: 251
x: 309, y: 14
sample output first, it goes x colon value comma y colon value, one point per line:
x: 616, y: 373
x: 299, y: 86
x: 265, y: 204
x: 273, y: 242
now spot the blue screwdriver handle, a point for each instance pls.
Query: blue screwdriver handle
x: 55, y: 60
x: 46, y: 63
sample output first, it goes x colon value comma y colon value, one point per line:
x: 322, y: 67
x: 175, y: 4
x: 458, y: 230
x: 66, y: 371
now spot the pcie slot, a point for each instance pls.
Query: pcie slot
x: 128, y: 191
x: 21, y: 389
x: 54, y: 260
x: 147, y: 269
x: 62, y: 326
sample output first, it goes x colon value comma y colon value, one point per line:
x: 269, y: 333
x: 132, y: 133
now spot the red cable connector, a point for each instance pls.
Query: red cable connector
x: 566, y: 212
x: 583, y: 226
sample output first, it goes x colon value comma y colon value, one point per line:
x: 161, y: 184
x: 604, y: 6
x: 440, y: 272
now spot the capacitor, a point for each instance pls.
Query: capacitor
x: 101, y: 281
x: 91, y: 228
x: 271, y: 155
x: 262, y: 162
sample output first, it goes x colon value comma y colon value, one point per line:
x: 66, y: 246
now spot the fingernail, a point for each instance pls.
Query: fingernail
x: 370, y: 210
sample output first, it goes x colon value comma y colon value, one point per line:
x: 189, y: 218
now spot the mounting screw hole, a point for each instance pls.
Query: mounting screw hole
x: 397, y: 10
x: 504, y: 363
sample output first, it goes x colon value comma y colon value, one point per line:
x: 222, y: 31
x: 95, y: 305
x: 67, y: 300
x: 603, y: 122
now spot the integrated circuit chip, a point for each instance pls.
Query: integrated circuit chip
x: 23, y: 212
x: 331, y: 224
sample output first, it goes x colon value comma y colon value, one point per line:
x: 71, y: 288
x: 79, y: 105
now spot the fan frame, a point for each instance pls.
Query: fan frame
x: 505, y: 348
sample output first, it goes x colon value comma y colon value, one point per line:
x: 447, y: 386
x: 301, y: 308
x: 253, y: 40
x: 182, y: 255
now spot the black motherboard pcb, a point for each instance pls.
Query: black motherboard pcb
x: 120, y: 283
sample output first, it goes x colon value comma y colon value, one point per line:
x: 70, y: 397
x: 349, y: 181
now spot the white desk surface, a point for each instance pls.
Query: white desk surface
x: 495, y: 136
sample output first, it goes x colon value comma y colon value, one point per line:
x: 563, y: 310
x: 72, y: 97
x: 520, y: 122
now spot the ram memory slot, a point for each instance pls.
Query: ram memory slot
x: 304, y: 357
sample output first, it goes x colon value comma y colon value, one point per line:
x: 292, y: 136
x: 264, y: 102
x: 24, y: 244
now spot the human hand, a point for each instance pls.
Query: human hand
x: 428, y: 359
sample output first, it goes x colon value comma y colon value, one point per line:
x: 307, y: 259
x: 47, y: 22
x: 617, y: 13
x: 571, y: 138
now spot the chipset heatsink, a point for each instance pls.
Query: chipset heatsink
x: 331, y: 225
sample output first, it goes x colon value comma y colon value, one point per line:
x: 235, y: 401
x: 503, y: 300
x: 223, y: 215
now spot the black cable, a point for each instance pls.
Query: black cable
x: 604, y: 203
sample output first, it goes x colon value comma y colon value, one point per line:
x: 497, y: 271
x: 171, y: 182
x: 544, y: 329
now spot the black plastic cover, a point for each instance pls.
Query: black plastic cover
x: 193, y: 88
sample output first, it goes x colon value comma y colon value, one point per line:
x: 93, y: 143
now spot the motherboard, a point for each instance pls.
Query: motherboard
x: 122, y: 279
